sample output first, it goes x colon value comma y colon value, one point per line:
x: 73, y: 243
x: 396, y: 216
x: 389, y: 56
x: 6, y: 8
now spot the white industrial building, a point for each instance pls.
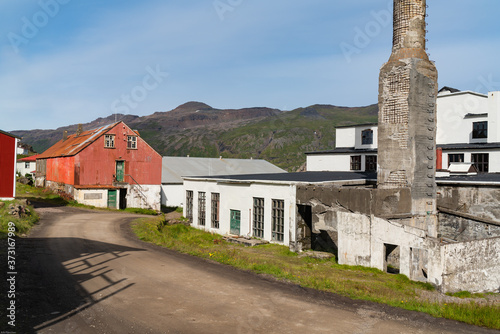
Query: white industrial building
x: 175, y: 168
x: 468, y: 130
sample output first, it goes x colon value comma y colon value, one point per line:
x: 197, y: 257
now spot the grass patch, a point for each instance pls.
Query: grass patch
x: 142, y: 211
x: 22, y: 224
x: 276, y: 260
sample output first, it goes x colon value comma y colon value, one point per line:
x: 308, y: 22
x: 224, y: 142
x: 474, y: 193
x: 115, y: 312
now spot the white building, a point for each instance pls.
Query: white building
x: 468, y: 130
x: 27, y: 166
x: 174, y: 168
x: 254, y: 205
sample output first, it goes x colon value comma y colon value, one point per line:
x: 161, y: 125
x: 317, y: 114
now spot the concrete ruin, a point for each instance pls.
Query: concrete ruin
x: 447, y: 235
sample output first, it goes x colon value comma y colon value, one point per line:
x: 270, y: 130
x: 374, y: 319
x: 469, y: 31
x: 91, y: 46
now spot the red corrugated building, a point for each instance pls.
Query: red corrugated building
x: 111, y: 166
x: 8, y: 155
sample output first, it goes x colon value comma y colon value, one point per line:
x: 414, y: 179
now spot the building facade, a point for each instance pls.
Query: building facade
x: 111, y: 166
x: 8, y: 157
x: 467, y: 130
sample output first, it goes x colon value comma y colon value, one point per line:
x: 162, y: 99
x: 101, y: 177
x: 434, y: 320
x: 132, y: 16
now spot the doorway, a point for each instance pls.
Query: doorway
x: 235, y: 222
x: 304, y: 226
x: 123, y: 199
x: 112, y: 199
x: 120, y: 171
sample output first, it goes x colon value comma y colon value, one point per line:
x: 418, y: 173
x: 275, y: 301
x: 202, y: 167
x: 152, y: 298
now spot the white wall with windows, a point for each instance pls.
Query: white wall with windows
x: 342, y: 162
x: 242, y: 200
x: 362, y: 136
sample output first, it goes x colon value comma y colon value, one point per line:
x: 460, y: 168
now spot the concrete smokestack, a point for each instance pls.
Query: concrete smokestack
x: 407, y: 116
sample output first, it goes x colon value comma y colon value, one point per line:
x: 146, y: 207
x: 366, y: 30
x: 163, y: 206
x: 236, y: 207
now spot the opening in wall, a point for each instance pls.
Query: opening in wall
x: 391, y: 259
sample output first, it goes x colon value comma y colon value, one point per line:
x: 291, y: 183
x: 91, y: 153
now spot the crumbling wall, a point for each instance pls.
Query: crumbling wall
x: 462, y: 229
x: 472, y: 266
x: 480, y: 201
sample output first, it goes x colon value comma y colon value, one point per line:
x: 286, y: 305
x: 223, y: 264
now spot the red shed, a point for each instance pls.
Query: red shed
x: 110, y: 166
x: 8, y: 156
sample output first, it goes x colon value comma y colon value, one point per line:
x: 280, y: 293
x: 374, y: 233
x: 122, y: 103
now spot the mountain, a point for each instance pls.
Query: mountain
x: 198, y: 130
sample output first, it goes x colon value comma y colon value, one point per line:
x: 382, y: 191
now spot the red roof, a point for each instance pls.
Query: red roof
x: 75, y: 144
x: 30, y: 158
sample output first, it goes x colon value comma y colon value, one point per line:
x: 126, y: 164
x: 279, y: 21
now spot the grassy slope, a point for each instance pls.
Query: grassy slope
x: 354, y: 282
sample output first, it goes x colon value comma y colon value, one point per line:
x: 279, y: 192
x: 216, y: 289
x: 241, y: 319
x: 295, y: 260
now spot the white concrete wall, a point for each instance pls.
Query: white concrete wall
x: 452, y: 127
x: 21, y: 167
x: 345, y: 137
x: 173, y: 194
x: 354, y: 240
x: 328, y: 162
x: 494, y: 117
x: 240, y: 197
x: 352, y: 137
x: 145, y: 197
x: 472, y: 266
x: 94, y: 197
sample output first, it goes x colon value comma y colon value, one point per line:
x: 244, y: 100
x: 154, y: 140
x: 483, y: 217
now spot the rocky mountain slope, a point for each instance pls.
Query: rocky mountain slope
x: 196, y: 129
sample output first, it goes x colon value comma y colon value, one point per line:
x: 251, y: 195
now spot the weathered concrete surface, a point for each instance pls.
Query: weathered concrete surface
x: 472, y: 266
x: 463, y: 229
x: 481, y: 201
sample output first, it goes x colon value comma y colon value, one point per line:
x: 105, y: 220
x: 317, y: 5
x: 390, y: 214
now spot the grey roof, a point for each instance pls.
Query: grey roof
x: 469, y: 146
x: 345, y: 150
x: 303, y: 177
x: 174, y: 168
x: 482, y: 178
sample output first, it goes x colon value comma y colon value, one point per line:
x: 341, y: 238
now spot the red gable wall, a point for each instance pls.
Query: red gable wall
x: 7, y: 165
x: 96, y: 165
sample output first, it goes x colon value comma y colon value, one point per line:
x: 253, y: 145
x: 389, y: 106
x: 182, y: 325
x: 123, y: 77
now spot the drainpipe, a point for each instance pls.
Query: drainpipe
x: 439, y: 158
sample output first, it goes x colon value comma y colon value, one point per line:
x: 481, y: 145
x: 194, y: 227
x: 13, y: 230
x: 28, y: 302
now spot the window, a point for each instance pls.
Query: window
x: 26, y: 165
x: 367, y: 137
x: 258, y: 217
x: 131, y: 142
x: 201, y: 208
x: 215, y: 210
x: 371, y: 163
x: 356, y: 162
x: 278, y: 219
x: 480, y: 160
x: 109, y: 141
x: 479, y: 130
x: 189, y: 205
x: 455, y: 157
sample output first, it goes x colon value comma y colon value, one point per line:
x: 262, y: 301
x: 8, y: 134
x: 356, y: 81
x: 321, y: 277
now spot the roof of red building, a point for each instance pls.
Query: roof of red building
x: 9, y: 134
x: 30, y: 158
x: 74, y: 143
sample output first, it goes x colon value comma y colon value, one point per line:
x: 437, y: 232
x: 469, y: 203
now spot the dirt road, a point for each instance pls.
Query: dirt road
x: 85, y: 272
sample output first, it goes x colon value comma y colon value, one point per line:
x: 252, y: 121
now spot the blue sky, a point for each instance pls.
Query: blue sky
x: 71, y: 61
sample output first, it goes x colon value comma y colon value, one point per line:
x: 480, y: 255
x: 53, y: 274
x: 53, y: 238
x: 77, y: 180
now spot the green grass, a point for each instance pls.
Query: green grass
x: 22, y: 224
x: 276, y: 260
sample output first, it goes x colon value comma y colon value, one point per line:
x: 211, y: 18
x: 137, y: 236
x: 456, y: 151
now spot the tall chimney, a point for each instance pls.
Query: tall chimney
x: 407, y: 115
x: 65, y: 135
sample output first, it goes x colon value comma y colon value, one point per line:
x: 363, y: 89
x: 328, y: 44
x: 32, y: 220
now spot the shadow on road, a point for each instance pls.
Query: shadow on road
x: 54, y: 275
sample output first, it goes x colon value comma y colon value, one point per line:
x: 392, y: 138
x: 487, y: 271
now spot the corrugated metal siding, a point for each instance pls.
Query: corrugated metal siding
x: 7, y: 165
x: 61, y: 170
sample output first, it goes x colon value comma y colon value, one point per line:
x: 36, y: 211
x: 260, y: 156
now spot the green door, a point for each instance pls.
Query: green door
x: 120, y: 171
x: 112, y: 199
x: 235, y: 222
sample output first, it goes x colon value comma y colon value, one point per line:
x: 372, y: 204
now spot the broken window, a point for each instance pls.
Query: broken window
x: 258, y: 217
x: 355, y: 162
x: 201, y: 208
x: 479, y: 130
x: 278, y: 220
x: 109, y: 141
x: 189, y: 205
x: 481, y: 160
x: 455, y: 157
x: 131, y: 142
x: 371, y: 163
x: 215, y: 210
x: 367, y: 137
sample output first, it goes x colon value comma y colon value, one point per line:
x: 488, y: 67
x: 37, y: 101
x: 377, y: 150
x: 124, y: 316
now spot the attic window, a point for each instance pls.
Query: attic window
x: 131, y: 142
x: 109, y: 141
